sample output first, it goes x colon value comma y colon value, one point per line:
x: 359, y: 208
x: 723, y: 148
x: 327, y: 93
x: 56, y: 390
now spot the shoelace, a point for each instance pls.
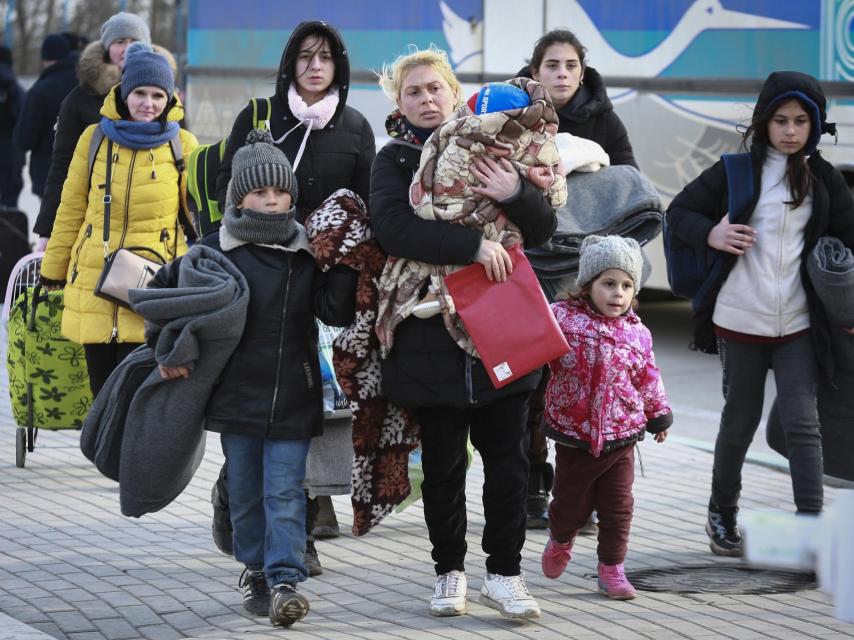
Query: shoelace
x: 720, y: 527
x: 254, y: 580
x: 516, y: 585
x: 449, y: 584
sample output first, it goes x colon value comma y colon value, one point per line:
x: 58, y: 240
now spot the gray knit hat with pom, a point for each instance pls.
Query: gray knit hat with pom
x: 600, y: 253
x: 259, y: 164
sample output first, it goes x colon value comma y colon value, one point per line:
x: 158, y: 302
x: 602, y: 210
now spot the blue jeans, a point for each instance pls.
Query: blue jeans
x: 267, y: 503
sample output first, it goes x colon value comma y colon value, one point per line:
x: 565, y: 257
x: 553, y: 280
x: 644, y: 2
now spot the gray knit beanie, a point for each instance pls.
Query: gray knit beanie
x: 146, y: 68
x: 599, y: 253
x: 259, y: 164
x: 124, y: 25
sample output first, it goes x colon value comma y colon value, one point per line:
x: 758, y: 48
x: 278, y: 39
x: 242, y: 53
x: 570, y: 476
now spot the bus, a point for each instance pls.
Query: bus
x: 682, y: 74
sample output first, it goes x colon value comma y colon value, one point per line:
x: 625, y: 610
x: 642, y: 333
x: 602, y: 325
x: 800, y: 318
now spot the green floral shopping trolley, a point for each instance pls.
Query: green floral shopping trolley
x: 48, y: 380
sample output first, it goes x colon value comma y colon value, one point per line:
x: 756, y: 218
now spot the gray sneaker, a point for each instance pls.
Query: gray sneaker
x: 449, y: 596
x: 286, y: 605
x: 510, y: 595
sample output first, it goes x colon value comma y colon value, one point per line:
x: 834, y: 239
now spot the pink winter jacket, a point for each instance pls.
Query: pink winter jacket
x: 606, y: 390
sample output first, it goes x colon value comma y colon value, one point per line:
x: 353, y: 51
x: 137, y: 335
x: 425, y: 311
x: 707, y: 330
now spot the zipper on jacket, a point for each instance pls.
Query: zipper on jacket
x: 281, y: 347
x: 164, y: 240
x: 469, y: 384
x: 86, y: 236
x: 778, y: 279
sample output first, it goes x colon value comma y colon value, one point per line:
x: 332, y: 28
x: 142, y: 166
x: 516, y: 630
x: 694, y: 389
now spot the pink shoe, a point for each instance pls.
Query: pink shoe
x: 556, y: 556
x: 613, y: 582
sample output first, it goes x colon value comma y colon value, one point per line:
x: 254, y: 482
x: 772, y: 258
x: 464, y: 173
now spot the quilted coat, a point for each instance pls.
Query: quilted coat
x: 606, y: 390
x: 144, y: 212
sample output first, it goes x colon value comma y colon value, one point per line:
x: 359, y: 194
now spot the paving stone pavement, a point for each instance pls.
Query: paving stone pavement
x: 72, y: 567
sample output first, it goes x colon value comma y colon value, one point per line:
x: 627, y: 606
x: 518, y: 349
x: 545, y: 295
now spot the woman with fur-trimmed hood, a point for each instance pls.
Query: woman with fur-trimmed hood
x: 98, y: 70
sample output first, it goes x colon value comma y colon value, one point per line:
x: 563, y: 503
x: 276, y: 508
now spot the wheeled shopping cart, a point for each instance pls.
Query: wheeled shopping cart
x: 48, y: 379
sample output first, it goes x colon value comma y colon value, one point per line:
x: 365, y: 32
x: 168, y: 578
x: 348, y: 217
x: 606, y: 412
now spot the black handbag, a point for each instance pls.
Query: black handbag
x: 125, y: 268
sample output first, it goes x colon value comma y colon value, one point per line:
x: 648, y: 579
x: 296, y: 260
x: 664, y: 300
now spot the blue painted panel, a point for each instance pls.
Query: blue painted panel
x: 263, y: 49
x: 636, y: 15
x: 376, y: 15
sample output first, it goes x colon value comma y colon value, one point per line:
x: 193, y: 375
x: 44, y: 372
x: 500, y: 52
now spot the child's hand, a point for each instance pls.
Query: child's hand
x: 661, y: 436
x: 170, y: 373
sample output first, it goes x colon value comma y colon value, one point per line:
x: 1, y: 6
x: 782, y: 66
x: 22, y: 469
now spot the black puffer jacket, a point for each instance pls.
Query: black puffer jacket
x: 34, y: 131
x: 339, y: 156
x: 81, y: 107
x: 590, y: 114
x: 704, y: 201
x: 426, y: 367
x: 271, y: 386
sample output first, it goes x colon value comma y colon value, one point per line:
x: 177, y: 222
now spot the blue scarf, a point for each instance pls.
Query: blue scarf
x: 138, y: 135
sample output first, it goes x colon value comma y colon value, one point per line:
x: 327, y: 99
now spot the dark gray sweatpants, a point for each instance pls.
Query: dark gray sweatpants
x: 745, y: 367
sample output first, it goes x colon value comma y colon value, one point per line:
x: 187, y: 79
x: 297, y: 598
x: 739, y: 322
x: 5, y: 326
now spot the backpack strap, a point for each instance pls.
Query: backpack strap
x: 98, y: 136
x: 184, y: 217
x: 739, y: 180
x: 108, y: 198
x: 261, y: 119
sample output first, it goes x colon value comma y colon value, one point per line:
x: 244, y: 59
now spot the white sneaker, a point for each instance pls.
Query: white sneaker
x: 449, y: 597
x: 509, y: 595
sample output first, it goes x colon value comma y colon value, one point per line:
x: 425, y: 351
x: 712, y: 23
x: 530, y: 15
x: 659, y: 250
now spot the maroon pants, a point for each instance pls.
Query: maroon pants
x: 584, y: 483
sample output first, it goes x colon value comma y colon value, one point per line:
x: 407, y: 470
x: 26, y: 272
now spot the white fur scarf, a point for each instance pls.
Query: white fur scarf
x: 312, y: 117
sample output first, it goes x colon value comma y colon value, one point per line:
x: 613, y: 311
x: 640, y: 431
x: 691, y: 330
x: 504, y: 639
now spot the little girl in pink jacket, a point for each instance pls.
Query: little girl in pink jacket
x: 603, y: 395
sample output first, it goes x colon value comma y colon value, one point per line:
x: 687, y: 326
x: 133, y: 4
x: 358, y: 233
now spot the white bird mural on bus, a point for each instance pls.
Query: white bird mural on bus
x: 700, y: 16
x: 465, y: 40
x: 465, y: 36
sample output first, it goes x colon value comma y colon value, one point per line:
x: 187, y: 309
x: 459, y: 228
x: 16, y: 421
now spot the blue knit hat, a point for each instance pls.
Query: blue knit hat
x: 498, y: 96
x: 55, y: 47
x: 143, y: 67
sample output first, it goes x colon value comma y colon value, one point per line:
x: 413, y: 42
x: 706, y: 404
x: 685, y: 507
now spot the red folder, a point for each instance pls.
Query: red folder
x: 509, y: 322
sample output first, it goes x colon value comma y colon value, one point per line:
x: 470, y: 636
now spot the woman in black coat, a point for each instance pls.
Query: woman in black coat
x: 584, y: 110
x: 330, y: 146
x: 448, y: 390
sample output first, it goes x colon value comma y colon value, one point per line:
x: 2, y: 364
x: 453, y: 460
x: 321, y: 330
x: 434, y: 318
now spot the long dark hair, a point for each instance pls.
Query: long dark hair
x: 321, y: 31
x: 556, y: 36
x: 798, y: 173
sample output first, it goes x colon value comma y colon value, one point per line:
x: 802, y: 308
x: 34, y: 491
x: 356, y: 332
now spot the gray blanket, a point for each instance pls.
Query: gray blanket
x: 103, y: 428
x: 616, y: 200
x: 197, y: 324
x: 831, y: 272
x: 329, y: 465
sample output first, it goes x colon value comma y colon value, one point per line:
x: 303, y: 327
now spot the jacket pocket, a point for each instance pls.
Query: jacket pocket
x: 74, y: 271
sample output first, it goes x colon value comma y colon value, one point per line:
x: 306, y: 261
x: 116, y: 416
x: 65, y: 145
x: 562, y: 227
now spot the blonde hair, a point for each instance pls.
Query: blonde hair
x: 392, y: 76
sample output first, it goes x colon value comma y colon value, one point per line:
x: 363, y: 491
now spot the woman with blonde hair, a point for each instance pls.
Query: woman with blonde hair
x: 447, y: 389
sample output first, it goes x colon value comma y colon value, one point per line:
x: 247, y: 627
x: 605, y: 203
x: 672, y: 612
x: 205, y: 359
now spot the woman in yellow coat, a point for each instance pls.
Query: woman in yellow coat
x: 139, y: 118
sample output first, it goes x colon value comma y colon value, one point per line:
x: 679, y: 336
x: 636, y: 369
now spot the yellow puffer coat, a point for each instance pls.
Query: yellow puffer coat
x: 144, y: 212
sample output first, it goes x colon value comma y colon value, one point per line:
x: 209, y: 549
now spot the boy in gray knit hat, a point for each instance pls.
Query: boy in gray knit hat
x: 268, y: 404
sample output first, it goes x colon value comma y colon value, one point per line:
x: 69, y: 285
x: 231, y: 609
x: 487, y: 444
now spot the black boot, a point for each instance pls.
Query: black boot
x: 223, y: 534
x: 327, y: 522
x: 310, y: 559
x: 723, y: 531
x: 540, y: 482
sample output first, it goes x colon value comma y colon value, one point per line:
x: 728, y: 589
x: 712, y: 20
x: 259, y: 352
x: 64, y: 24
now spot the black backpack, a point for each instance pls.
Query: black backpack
x: 203, y: 166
